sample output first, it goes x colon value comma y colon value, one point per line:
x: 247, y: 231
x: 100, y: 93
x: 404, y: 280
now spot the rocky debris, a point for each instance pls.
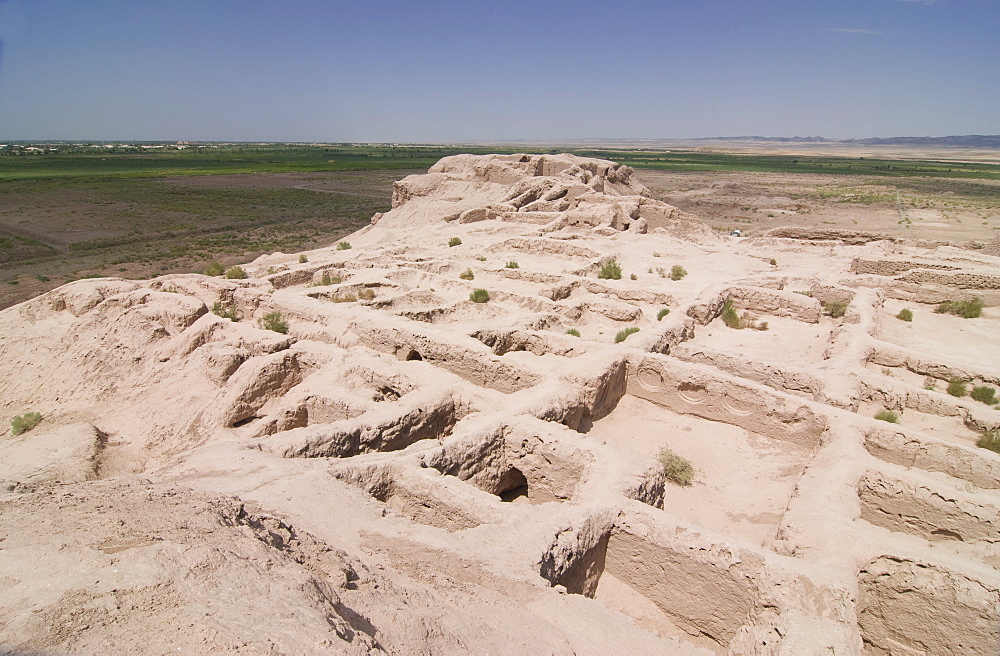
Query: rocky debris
x: 461, y: 447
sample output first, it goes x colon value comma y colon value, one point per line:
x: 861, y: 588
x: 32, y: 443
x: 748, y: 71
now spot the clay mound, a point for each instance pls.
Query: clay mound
x: 456, y: 444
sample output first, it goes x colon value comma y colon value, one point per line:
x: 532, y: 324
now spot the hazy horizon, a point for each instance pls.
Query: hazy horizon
x: 452, y: 72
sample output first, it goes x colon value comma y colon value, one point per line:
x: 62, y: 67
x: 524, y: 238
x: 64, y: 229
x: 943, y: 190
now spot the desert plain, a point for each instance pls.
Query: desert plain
x: 456, y: 429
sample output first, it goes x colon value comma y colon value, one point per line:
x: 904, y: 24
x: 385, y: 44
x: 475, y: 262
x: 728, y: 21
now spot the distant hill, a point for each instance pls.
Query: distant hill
x: 963, y: 141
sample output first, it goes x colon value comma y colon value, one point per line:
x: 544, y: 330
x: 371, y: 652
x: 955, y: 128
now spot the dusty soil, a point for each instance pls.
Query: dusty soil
x: 358, y: 457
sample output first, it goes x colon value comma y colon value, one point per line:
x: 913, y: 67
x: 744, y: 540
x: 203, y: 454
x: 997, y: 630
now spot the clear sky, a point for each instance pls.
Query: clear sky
x: 475, y: 70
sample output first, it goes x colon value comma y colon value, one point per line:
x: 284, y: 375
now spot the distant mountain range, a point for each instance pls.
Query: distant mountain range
x: 964, y: 141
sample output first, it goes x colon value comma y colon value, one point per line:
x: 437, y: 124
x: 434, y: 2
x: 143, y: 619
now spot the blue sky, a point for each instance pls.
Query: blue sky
x: 454, y: 71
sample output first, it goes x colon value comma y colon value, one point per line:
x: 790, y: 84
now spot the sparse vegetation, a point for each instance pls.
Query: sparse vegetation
x: 343, y: 245
x: 633, y: 277
x: 42, y: 278
x: 214, y: 269
x: 984, y: 394
x: 610, y: 270
x: 965, y: 309
x: 677, y: 272
x: 905, y: 315
x: 573, y: 331
x: 513, y: 265
x: 740, y: 322
x: 467, y: 275
x: 773, y: 262
x: 236, y: 273
x: 989, y: 440
x: 887, y: 415
x: 956, y: 387
x: 930, y: 383
x: 303, y: 259
x: 328, y: 280
x: 481, y: 258
x: 24, y: 423
x: 273, y: 321
x: 479, y: 296
x: 454, y: 241
x: 366, y: 294
x: 676, y: 468
x: 226, y: 311
x: 623, y: 334
x: 835, y: 309
x: 662, y: 313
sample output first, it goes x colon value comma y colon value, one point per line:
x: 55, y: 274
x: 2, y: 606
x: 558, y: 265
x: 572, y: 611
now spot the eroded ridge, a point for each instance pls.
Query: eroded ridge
x: 467, y: 433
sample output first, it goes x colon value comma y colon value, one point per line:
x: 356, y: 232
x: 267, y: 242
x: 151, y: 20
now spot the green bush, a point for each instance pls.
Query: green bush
x: 623, y: 334
x: 274, y: 321
x: 303, y: 259
x: 42, y: 278
x: 905, y: 315
x: 677, y: 272
x: 454, y: 241
x: 729, y: 316
x: 984, y: 394
x: 573, y: 331
x: 610, y: 270
x: 214, y: 269
x: 236, y: 273
x: 965, y: 309
x: 662, y: 313
x: 956, y: 387
x: 226, y: 311
x: 467, y: 275
x: 479, y: 296
x: 513, y: 265
x: 888, y: 415
x: 676, y: 468
x: 990, y: 440
x: 835, y: 309
x: 25, y: 422
x: 343, y: 246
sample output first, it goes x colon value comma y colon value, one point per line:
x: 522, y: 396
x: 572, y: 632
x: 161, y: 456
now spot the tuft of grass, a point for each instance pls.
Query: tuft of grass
x: 610, y: 270
x: 343, y: 246
x: 214, y: 269
x: 989, y: 440
x: 623, y: 334
x: 835, y: 309
x: 226, y: 311
x: 677, y: 272
x: 236, y: 273
x: 327, y: 279
x: 740, y: 322
x: 956, y: 387
x: 346, y: 297
x: 573, y: 331
x: 454, y: 241
x: 274, y: 321
x: 774, y: 262
x: 633, y: 277
x: 965, y: 309
x: 513, y: 265
x: 467, y: 275
x: 24, y: 423
x: 905, y: 315
x: 481, y: 258
x: 676, y: 468
x: 366, y: 294
x: 662, y: 313
x: 479, y: 296
x: 984, y: 394
x: 42, y: 278
x: 887, y: 415
x: 930, y: 383
x: 302, y: 258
